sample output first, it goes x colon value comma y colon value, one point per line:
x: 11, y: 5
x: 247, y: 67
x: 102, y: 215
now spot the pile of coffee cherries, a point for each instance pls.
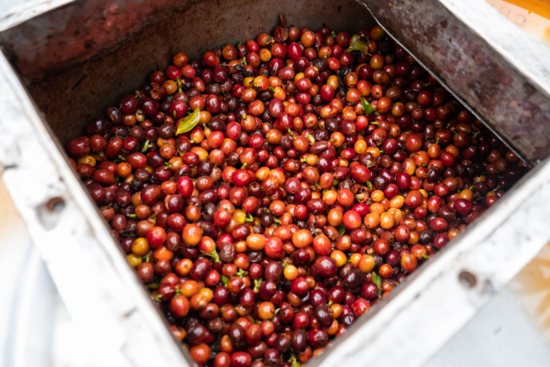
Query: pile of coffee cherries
x: 273, y: 191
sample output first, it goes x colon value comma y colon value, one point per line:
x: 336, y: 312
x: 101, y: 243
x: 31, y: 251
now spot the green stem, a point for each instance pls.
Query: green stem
x: 257, y: 285
x: 146, y: 146
x: 214, y: 255
x: 291, y: 134
x: 242, y: 273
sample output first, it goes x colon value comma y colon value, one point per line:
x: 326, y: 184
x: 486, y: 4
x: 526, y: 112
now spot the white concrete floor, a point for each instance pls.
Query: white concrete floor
x: 35, y: 327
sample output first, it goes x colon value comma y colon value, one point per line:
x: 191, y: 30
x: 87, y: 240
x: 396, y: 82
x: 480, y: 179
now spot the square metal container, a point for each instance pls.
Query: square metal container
x: 63, y: 62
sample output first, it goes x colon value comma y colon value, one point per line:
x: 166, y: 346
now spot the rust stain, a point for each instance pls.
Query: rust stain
x: 132, y: 39
x: 474, y: 71
x: 124, y: 38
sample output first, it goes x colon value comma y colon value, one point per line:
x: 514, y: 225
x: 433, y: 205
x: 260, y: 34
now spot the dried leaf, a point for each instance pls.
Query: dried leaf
x: 189, y: 122
x: 357, y: 45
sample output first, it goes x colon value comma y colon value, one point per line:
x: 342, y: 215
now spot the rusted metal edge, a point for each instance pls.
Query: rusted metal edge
x: 519, y: 153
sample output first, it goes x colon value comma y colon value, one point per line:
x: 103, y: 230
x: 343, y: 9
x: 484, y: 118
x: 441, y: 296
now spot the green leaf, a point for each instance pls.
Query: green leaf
x: 276, y: 220
x: 188, y: 123
x: 376, y: 279
x: 425, y: 256
x: 357, y: 45
x: 225, y: 280
x: 367, y: 107
x: 341, y: 229
x: 376, y: 113
x: 152, y: 286
x: 369, y: 185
